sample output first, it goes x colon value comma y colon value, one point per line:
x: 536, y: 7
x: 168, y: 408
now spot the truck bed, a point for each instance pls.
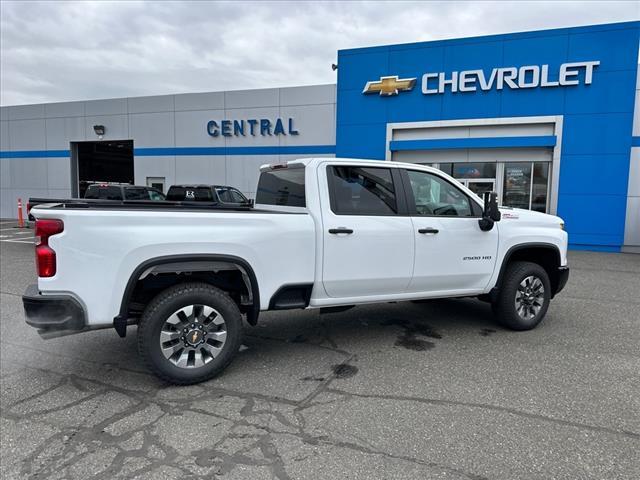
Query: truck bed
x: 100, y: 204
x: 105, y: 241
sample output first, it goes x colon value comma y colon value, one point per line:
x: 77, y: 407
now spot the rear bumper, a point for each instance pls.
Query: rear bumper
x: 563, y: 278
x: 53, y: 313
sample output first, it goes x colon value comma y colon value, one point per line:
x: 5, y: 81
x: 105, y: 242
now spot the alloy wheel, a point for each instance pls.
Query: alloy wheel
x: 529, y: 297
x: 193, y: 336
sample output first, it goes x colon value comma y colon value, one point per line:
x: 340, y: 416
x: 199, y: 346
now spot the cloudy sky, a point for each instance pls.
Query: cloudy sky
x: 57, y: 51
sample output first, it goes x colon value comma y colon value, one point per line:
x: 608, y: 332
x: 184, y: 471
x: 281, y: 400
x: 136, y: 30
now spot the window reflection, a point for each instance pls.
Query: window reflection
x: 540, y: 182
x: 470, y: 170
x: 517, y: 185
x: 525, y: 184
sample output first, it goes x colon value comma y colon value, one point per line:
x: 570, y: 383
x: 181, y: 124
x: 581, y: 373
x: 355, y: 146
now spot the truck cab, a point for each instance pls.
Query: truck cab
x: 395, y: 231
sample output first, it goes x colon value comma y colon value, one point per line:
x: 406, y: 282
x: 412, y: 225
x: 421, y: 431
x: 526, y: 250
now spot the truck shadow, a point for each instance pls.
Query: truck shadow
x: 415, y: 326
x: 284, y: 339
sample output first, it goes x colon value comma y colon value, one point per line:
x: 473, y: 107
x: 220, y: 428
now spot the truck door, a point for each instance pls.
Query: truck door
x: 368, y: 244
x: 452, y: 253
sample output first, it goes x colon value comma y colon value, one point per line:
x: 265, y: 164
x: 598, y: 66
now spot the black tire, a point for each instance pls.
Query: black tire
x: 162, y: 307
x: 505, y: 306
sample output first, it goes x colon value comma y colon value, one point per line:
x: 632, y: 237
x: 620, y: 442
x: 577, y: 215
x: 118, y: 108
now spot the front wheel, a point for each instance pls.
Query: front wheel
x: 524, y: 296
x: 189, y: 333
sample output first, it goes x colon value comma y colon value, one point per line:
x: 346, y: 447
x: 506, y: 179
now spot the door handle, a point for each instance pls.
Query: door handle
x: 336, y: 231
x: 428, y: 230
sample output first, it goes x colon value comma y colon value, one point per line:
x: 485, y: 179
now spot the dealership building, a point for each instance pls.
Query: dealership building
x: 550, y: 120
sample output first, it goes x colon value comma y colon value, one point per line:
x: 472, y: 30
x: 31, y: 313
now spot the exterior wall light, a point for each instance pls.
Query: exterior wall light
x: 99, y: 129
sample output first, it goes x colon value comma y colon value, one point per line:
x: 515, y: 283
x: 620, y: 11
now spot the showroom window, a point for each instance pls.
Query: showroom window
x: 470, y: 170
x: 540, y: 188
x: 361, y: 191
x: 525, y: 185
x: 519, y: 184
x: 479, y: 177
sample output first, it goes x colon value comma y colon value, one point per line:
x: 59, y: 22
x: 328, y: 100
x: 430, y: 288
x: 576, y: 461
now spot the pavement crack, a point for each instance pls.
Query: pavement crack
x: 406, y: 458
x: 487, y: 406
x: 322, y: 386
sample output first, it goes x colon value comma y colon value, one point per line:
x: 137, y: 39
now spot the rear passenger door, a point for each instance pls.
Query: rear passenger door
x: 368, y: 239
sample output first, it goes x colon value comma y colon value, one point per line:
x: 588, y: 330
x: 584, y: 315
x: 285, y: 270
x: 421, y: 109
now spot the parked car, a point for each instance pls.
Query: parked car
x: 326, y: 233
x: 103, y: 191
x: 122, y: 191
x: 221, y: 194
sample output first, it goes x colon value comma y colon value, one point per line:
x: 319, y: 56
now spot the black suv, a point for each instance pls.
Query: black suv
x: 222, y: 194
x: 122, y: 191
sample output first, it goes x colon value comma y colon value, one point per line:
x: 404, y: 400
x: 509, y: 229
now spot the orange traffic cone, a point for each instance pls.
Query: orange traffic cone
x: 20, y: 217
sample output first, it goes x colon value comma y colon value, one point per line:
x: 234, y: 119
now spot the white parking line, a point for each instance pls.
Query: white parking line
x: 15, y: 229
x: 31, y: 241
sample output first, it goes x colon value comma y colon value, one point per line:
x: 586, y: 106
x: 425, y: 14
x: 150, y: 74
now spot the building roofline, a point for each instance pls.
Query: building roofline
x: 635, y: 24
x: 175, y: 94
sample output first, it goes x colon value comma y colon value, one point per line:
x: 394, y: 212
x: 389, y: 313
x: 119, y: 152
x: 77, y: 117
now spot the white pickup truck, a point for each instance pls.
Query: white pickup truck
x: 324, y: 233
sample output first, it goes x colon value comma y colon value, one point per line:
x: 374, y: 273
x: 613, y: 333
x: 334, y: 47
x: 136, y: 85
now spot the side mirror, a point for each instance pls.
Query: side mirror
x: 491, y: 213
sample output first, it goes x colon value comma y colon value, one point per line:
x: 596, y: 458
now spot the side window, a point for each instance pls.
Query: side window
x: 103, y: 193
x: 155, y: 195
x: 136, y: 193
x: 237, y: 196
x: 361, y: 191
x: 434, y: 196
x: 224, y: 194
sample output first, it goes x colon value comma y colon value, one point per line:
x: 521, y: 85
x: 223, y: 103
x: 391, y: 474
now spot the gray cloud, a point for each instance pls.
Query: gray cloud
x: 58, y: 51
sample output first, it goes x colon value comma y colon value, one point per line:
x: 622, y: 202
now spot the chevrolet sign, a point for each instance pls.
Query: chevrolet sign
x: 388, y: 86
x: 528, y: 76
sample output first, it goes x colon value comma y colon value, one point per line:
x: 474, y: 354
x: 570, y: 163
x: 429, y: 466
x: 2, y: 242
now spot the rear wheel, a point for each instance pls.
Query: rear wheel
x: 189, y: 333
x: 524, y: 296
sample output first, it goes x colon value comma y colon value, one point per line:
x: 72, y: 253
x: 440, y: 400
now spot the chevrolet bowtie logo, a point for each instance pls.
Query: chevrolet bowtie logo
x: 388, y: 86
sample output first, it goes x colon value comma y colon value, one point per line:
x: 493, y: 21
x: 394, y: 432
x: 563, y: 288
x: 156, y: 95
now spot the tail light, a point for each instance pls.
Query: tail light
x: 28, y: 207
x: 45, y: 255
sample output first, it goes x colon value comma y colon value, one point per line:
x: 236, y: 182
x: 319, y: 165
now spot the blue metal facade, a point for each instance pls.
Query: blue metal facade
x: 597, y: 118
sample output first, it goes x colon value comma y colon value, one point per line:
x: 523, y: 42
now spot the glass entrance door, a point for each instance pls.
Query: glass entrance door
x: 479, y: 185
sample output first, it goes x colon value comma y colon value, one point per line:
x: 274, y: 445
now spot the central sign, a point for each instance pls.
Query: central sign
x: 240, y: 128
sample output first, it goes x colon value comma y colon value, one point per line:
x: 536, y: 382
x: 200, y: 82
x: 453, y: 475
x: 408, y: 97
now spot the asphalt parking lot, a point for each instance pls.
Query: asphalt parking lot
x: 432, y: 390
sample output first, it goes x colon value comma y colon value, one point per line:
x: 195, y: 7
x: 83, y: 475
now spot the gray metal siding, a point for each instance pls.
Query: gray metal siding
x: 164, y: 121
